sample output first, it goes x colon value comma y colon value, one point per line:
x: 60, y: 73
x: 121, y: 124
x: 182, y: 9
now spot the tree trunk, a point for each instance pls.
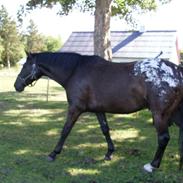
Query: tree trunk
x: 7, y: 56
x: 8, y: 63
x: 102, y: 44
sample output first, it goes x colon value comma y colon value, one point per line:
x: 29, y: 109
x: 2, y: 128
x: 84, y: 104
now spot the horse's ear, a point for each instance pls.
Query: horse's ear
x: 29, y: 54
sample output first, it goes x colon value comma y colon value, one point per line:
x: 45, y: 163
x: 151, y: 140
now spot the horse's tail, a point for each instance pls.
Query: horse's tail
x: 181, y: 146
x: 158, y: 55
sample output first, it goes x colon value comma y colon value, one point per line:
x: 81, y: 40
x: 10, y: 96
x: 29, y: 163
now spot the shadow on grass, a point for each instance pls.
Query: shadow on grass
x: 30, y: 127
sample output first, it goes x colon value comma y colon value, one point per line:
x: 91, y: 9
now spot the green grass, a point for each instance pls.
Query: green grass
x: 30, y: 127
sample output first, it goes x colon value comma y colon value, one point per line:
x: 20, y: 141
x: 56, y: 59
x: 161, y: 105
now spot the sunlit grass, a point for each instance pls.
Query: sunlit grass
x: 79, y: 171
x: 52, y: 132
x: 22, y: 151
x: 30, y: 127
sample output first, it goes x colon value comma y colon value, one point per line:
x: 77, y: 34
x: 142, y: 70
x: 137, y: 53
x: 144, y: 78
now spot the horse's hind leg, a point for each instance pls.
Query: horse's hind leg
x: 105, y: 129
x: 72, y: 116
x: 163, y: 138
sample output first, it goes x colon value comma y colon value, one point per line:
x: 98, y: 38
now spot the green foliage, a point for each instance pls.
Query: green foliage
x: 12, y: 43
x: 126, y: 8
x: 122, y: 8
x: 1, y: 50
x: 52, y: 44
x: 65, y: 5
x: 36, y: 42
x: 11, y: 49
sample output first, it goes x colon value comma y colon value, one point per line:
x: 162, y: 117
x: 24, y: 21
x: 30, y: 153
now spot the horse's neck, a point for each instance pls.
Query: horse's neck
x: 59, y: 72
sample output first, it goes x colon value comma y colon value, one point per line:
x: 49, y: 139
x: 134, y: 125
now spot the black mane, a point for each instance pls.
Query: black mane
x: 67, y: 60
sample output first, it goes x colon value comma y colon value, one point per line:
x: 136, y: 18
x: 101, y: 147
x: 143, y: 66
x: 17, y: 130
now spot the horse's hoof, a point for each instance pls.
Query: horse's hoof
x: 52, y: 156
x: 149, y: 168
x: 50, y: 159
x: 107, y: 158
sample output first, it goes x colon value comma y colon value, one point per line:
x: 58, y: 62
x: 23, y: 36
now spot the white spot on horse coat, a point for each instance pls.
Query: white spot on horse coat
x: 156, y: 72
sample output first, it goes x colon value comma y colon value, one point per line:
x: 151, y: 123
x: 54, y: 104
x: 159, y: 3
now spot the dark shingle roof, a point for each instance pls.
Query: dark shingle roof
x: 126, y: 44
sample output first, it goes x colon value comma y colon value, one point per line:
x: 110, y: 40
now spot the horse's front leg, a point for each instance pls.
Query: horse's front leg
x: 72, y: 116
x: 105, y: 129
x: 163, y: 139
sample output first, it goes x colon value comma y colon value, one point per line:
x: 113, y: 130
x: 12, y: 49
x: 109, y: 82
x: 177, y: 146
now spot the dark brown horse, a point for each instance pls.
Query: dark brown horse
x: 94, y: 85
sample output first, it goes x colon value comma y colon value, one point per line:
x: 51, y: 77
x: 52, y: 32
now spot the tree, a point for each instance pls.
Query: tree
x: 52, y: 44
x: 103, y: 10
x: 1, y: 50
x: 12, y: 48
x: 34, y: 41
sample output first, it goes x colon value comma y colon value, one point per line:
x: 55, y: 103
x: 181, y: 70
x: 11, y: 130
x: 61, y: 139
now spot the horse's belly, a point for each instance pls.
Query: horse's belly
x: 116, y: 96
x: 125, y: 107
x: 117, y: 105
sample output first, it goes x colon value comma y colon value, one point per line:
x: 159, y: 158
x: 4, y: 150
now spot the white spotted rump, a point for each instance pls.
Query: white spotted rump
x: 156, y: 72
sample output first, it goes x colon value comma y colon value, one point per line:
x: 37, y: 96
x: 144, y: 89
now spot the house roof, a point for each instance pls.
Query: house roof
x: 126, y: 44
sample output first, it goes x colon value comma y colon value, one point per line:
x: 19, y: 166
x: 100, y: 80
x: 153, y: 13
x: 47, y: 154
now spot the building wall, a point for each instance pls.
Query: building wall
x: 117, y: 59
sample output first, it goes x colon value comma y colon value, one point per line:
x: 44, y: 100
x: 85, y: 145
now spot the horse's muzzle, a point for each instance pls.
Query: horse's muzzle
x: 19, y: 87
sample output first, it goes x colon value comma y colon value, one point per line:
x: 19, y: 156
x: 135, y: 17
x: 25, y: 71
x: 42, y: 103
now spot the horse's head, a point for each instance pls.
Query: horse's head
x: 29, y: 73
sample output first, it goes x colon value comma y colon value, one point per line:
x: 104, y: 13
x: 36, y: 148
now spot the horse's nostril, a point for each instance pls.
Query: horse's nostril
x: 18, y: 88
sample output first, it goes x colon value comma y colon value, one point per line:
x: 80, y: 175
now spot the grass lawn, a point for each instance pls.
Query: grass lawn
x: 30, y: 127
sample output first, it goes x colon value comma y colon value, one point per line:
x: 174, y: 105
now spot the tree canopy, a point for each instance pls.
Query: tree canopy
x: 119, y: 7
x: 122, y: 8
x: 11, y: 46
x: 34, y: 41
x: 13, y: 42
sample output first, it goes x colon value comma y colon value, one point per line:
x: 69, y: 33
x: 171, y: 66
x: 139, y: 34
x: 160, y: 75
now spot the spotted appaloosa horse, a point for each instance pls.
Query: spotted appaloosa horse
x: 94, y: 85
